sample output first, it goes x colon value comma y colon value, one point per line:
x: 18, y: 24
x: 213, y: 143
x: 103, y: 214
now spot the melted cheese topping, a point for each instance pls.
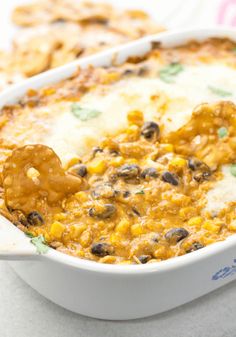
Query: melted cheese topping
x: 172, y: 104
x: 222, y: 193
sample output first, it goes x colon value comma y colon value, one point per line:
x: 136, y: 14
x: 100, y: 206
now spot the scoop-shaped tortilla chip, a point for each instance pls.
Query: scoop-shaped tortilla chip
x: 210, y: 134
x: 34, y: 180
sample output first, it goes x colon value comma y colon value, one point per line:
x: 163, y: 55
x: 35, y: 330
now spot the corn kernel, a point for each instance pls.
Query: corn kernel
x: 39, y: 231
x: 137, y: 229
x: 133, y: 130
x: 110, y: 77
x: 208, y: 241
x: 77, y: 212
x: 131, y: 161
x: 97, y: 166
x: 108, y: 259
x: 135, y: 117
x: 57, y: 229
x: 123, y: 226
x: 232, y: 226
x: 81, y: 196
x: 167, y: 147
x: 48, y: 91
x: 178, y: 162
x: 154, y: 226
x: 85, y: 239
x: 115, y: 237
x: 101, y: 225
x: 187, y: 212
x: 76, y: 230
x: 60, y: 217
x: 117, y: 161
x: 2, y: 203
x: 73, y: 161
x: 160, y: 253
x: 125, y: 262
x: 180, y: 199
x: 195, y: 221
x: 32, y: 93
x: 211, y: 227
x: 80, y: 253
x: 46, y: 237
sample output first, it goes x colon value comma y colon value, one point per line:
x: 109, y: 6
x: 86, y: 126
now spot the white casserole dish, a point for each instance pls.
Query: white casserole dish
x: 117, y: 292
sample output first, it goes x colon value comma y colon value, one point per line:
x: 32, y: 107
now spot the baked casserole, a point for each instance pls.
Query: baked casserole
x: 127, y: 164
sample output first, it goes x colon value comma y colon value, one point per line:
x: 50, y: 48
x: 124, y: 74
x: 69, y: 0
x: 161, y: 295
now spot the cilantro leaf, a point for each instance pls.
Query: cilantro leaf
x: 233, y: 170
x: 84, y: 114
x: 219, y: 92
x: 140, y: 192
x: 29, y: 235
x: 168, y: 73
x: 222, y: 132
x: 40, y: 244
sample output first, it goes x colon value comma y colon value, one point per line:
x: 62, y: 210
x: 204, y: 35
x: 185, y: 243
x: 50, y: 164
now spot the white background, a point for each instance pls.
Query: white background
x: 171, y: 13
x: 24, y: 313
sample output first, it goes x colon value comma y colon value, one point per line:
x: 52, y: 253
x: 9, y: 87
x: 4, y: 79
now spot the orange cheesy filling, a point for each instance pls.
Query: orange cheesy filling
x: 139, y: 194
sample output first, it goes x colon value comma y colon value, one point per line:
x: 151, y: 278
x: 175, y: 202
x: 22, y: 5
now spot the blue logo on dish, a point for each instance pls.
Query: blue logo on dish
x: 224, y: 272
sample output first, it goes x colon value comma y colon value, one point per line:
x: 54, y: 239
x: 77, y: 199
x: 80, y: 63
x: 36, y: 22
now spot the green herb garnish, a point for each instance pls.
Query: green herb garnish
x: 222, y: 132
x: 233, y: 169
x: 29, y: 235
x: 219, y: 92
x: 40, y: 244
x: 234, y: 49
x: 84, y: 114
x: 168, y: 73
x: 140, y: 192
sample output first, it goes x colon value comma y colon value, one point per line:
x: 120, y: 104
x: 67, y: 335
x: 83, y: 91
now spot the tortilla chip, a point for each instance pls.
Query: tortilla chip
x: 33, y: 179
x: 201, y: 137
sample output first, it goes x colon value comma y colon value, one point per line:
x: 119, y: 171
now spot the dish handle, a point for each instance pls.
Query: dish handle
x: 14, y: 244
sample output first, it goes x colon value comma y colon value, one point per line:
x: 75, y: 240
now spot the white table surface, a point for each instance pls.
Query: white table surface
x: 25, y: 313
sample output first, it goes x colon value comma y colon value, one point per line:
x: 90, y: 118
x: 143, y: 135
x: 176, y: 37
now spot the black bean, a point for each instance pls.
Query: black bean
x: 155, y: 237
x: 202, y: 176
x: 100, y: 21
x: 113, y: 178
x: 170, y: 178
x: 128, y: 72
x: 150, y: 131
x: 10, y: 209
x: 59, y: 20
x: 149, y: 172
x: 97, y: 150
x: 176, y: 234
x: 136, y: 212
x: 102, y: 249
x: 194, y: 164
x: 114, y: 153
x: 156, y: 45
x: 126, y: 194
x: 107, y: 211
x: 81, y: 170
x: 195, y: 246
x: 104, y: 190
x: 144, y: 258
x: 35, y: 219
x: 143, y: 71
x: 128, y: 171
x: 203, y: 171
